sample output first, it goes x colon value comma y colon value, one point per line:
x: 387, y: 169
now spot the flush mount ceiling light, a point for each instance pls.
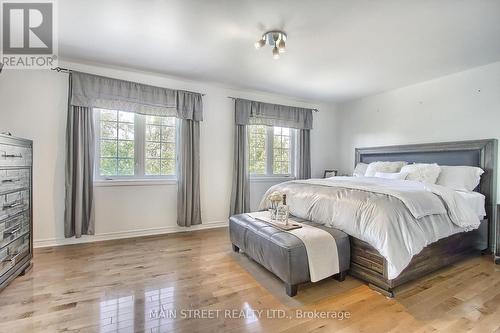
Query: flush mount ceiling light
x: 276, y: 39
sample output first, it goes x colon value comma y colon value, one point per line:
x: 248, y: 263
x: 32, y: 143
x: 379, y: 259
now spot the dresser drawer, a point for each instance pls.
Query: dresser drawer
x: 14, y: 253
x: 12, y: 228
x: 9, y: 222
x: 11, y: 155
x: 14, y: 179
x: 13, y: 203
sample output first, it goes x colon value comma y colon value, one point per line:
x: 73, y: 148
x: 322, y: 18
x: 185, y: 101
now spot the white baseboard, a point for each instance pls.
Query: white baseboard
x: 38, y: 243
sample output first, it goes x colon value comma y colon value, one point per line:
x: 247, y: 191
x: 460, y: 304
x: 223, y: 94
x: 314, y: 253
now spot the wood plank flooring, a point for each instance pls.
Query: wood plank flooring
x: 123, y: 286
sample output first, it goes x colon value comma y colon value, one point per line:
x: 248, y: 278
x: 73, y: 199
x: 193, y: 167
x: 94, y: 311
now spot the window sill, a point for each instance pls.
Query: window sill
x: 134, y: 182
x: 271, y: 179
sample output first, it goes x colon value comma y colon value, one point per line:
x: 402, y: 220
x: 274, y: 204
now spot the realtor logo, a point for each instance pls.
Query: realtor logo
x: 28, y: 34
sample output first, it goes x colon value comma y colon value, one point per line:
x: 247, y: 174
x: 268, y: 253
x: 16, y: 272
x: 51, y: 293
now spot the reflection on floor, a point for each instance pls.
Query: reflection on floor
x: 117, y: 314
x: 159, y: 309
x: 192, y: 282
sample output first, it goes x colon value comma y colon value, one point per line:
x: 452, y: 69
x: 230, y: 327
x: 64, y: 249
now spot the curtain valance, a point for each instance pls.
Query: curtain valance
x: 102, y: 92
x: 258, y: 113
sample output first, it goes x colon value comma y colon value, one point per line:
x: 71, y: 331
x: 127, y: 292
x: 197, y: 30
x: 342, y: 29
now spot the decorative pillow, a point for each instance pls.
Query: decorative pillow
x: 360, y: 170
x: 392, y: 175
x: 422, y: 172
x: 375, y: 167
x: 460, y: 178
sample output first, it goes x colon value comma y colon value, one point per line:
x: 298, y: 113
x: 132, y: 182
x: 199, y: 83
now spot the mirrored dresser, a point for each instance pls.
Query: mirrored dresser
x: 16, y: 207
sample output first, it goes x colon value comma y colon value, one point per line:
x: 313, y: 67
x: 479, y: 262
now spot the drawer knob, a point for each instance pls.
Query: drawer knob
x: 10, y: 180
x: 12, y: 156
x: 12, y: 204
x: 12, y: 232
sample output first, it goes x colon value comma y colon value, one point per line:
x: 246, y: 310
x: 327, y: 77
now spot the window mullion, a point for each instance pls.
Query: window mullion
x: 269, y: 150
x: 117, y: 141
x: 139, y: 144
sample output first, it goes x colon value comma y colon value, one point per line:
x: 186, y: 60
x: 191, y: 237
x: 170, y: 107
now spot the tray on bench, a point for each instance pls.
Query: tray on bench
x: 264, y: 217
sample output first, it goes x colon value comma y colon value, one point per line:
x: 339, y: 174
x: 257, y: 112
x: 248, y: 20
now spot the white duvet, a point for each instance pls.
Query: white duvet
x: 397, y: 217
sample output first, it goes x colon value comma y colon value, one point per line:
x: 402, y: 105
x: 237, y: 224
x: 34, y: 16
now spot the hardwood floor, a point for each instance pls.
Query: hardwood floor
x: 121, y: 286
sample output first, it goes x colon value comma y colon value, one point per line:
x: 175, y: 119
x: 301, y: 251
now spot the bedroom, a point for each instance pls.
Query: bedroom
x: 354, y: 75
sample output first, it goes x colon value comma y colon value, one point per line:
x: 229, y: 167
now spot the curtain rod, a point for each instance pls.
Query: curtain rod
x: 65, y: 70
x: 61, y: 70
x: 231, y: 97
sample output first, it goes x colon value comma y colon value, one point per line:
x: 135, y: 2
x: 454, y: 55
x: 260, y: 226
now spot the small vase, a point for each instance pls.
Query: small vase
x: 272, y: 212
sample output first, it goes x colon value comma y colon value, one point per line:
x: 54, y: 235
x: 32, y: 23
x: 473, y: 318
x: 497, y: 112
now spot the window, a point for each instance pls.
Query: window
x: 131, y: 145
x: 270, y: 150
x: 160, y: 146
x: 116, y: 143
x: 281, y: 151
x: 257, y: 148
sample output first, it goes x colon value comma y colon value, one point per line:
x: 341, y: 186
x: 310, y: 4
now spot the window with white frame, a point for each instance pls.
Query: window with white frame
x: 160, y: 146
x: 134, y: 146
x: 270, y: 150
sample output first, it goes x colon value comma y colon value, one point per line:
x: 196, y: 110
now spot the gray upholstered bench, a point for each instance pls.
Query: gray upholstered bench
x: 281, y: 252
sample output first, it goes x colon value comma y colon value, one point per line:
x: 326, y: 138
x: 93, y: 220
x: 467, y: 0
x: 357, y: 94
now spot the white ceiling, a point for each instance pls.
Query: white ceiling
x: 336, y: 50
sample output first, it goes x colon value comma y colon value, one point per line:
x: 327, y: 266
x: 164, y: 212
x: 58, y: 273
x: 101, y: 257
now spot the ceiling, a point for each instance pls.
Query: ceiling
x: 336, y: 50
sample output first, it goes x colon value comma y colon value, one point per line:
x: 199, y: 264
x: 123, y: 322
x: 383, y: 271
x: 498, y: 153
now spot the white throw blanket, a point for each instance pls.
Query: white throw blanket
x: 317, y: 242
x: 398, y: 218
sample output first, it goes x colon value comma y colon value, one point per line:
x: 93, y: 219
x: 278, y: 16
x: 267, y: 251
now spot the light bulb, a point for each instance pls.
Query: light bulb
x: 260, y: 43
x: 281, y: 46
x: 276, y: 53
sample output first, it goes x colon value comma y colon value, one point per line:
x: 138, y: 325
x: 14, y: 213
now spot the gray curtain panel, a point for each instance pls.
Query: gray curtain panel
x: 258, y: 113
x: 240, y: 193
x: 188, y: 174
x: 189, y: 105
x: 303, y: 158
x: 79, y: 203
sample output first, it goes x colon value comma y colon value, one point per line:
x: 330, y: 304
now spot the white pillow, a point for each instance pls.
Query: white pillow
x: 392, y: 175
x: 460, y: 178
x: 422, y: 172
x: 375, y: 167
x: 360, y: 170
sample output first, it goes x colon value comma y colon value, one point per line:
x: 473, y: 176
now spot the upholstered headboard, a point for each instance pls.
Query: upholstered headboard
x: 480, y: 153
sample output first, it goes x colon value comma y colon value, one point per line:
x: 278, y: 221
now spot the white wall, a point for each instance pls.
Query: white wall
x: 462, y: 106
x: 33, y: 105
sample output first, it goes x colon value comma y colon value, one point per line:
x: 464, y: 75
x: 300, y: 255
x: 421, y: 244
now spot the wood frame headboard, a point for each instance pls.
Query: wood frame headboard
x: 480, y: 153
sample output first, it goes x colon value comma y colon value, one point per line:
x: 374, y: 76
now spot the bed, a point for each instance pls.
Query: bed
x: 449, y: 244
